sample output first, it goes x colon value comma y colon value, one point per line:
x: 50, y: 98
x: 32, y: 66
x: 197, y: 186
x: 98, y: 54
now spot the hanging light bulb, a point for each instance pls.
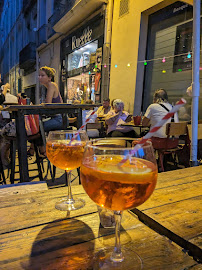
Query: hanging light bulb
x: 164, y: 59
x: 145, y: 62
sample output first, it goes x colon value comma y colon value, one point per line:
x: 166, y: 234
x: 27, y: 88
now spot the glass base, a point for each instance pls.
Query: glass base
x: 69, y: 205
x: 131, y: 261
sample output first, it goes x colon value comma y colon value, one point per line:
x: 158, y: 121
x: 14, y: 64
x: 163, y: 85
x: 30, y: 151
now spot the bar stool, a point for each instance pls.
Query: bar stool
x: 2, y: 175
x: 13, y: 149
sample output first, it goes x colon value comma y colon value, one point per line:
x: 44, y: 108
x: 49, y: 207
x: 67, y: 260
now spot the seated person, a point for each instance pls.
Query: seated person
x: 105, y: 108
x: 92, y: 133
x: 9, y: 98
x: 2, y: 95
x: 115, y: 118
x: 156, y: 111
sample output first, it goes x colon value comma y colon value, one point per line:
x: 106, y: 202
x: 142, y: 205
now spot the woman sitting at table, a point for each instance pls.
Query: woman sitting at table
x: 114, y: 120
x: 46, y: 78
x: 156, y: 111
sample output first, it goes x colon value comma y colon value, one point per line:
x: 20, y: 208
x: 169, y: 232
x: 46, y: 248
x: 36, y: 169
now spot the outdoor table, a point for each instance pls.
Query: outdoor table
x: 131, y: 124
x: 18, y: 112
x: 34, y: 235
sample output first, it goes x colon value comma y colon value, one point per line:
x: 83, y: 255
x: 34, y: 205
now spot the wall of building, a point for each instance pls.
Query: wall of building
x: 50, y: 56
x: 124, y: 48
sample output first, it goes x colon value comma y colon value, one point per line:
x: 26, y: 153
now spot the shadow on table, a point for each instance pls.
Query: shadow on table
x: 66, y: 244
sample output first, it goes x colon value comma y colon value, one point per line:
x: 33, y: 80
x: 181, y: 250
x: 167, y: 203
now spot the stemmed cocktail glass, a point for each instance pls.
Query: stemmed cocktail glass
x: 65, y: 150
x: 118, y: 178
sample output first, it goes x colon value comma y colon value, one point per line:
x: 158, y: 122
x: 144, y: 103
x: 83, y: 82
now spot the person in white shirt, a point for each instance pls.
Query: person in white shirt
x: 156, y: 111
x: 114, y: 120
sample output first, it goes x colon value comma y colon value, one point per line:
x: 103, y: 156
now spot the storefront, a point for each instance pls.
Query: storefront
x: 81, y: 62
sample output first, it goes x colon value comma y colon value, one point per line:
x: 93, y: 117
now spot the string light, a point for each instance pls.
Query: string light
x: 145, y: 62
x: 179, y: 69
x: 164, y: 71
x: 116, y: 66
x: 128, y: 65
x: 89, y: 72
x: 189, y: 55
x: 95, y: 66
x: 164, y: 59
x: 105, y: 66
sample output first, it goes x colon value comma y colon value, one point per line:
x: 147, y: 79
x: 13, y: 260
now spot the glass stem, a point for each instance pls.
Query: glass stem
x: 117, y: 255
x: 69, y: 196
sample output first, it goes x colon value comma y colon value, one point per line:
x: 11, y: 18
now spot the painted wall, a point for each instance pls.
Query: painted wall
x: 124, y: 49
x: 50, y: 56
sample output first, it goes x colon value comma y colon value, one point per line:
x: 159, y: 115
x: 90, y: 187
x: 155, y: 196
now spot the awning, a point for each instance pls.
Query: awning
x: 77, y: 14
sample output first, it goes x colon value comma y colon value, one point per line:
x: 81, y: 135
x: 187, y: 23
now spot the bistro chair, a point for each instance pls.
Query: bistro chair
x: 95, y: 130
x: 172, y: 144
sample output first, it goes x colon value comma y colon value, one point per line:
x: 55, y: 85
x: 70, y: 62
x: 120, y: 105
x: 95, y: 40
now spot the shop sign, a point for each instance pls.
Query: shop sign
x: 83, y: 39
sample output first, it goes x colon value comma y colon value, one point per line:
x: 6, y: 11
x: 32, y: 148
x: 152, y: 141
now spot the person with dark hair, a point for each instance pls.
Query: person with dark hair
x: 105, y: 108
x: 156, y: 111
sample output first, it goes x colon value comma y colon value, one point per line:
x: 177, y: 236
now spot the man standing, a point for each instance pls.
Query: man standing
x: 105, y: 108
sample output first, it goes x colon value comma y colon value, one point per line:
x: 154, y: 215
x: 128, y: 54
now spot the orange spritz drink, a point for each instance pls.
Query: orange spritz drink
x: 118, y: 188
x: 118, y: 178
x: 65, y: 150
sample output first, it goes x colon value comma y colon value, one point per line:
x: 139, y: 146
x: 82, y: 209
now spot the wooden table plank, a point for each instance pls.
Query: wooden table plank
x: 39, y: 208
x: 175, y: 208
x: 70, y: 244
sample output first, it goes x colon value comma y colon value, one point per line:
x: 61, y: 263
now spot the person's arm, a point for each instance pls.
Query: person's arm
x: 110, y: 119
x: 145, y: 121
x: 146, y: 118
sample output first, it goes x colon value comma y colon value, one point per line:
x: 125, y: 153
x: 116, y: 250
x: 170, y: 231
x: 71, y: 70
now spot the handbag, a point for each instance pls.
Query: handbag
x: 32, y: 124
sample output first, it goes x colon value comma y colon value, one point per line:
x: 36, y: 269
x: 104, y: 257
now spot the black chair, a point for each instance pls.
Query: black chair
x: 13, y: 149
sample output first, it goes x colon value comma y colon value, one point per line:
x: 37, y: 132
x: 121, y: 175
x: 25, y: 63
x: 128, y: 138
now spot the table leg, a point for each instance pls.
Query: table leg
x: 79, y: 118
x: 22, y: 146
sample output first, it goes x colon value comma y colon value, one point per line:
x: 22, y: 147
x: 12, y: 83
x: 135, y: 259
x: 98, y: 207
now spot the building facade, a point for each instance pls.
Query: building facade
x: 122, y: 49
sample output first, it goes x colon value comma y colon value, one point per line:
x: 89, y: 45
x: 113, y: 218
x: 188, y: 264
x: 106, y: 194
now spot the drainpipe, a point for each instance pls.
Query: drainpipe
x: 195, y: 80
x: 107, y: 49
x: 37, y: 58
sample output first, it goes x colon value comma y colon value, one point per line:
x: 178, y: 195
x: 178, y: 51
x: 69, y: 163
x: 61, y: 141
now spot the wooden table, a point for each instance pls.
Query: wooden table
x: 34, y: 235
x: 18, y: 112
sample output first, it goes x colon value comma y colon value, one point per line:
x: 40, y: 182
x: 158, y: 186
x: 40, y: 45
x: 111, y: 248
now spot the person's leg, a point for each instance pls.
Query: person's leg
x: 131, y: 134
x: 117, y: 133
x: 54, y: 123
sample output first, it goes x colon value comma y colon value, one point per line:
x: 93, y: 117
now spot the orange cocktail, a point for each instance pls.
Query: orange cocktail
x: 118, y: 187
x: 65, y: 155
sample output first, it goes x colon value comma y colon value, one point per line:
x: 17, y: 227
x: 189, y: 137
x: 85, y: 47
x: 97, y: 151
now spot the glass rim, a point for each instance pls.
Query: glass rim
x: 65, y: 131
x: 89, y: 144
